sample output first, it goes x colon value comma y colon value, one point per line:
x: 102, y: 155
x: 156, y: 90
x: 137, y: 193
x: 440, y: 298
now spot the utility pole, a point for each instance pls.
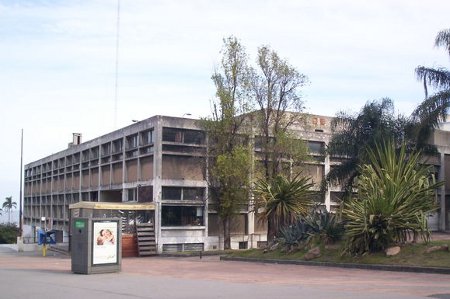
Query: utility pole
x: 20, y: 237
x: 21, y: 187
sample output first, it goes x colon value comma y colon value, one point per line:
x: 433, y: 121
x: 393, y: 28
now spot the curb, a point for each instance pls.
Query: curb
x: 59, y: 250
x: 199, y: 254
x: 395, y: 268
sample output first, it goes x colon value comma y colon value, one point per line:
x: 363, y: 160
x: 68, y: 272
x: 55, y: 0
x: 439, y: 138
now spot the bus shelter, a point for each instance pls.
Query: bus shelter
x: 134, y: 217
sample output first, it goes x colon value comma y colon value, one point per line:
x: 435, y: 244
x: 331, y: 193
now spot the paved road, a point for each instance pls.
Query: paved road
x: 28, y: 275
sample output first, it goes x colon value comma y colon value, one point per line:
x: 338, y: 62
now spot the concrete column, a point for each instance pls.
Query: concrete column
x: 157, y: 177
x: 326, y: 170
x: 206, y: 198
x: 442, y: 216
x: 124, y: 169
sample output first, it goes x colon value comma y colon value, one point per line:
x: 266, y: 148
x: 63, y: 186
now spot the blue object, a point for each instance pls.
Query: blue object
x: 46, y: 237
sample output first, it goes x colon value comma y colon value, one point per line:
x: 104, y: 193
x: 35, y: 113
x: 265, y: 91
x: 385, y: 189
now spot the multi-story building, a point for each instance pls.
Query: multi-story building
x: 159, y: 162
x: 159, y: 166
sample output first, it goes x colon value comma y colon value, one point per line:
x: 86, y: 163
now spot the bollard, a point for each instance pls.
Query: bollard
x: 201, y: 254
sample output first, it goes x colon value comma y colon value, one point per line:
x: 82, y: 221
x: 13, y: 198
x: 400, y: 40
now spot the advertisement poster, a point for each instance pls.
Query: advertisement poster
x: 105, y: 243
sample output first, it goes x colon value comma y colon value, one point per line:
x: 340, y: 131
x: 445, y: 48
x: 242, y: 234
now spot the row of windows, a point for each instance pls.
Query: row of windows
x: 144, y: 139
x: 182, y: 193
x: 183, y: 136
x: 131, y: 142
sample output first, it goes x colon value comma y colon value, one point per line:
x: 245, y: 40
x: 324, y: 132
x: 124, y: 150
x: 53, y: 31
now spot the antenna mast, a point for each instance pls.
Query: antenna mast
x: 117, y: 64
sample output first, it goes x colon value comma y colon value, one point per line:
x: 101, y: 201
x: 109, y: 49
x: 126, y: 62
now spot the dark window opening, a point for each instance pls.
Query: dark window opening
x: 171, y: 193
x: 181, y: 216
x: 172, y: 135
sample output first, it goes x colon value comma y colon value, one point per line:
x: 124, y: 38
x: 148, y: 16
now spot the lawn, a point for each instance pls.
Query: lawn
x: 410, y: 255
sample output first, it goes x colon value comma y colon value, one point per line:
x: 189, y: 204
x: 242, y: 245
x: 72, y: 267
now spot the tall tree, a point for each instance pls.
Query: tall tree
x: 227, y: 135
x: 8, y: 205
x: 354, y: 134
x: 276, y: 90
x: 434, y: 108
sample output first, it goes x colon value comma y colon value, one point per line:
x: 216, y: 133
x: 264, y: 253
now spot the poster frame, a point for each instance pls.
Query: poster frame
x: 96, y: 226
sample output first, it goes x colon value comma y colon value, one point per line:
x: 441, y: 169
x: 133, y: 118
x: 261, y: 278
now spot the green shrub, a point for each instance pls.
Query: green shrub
x: 8, y: 233
x: 293, y: 235
x: 395, y: 193
x: 325, y: 226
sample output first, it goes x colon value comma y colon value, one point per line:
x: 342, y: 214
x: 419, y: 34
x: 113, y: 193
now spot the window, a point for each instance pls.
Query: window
x: 106, y: 149
x: 316, y: 147
x: 68, y: 160
x: 182, y: 216
x: 183, y: 136
x: 147, y: 137
x: 172, y: 135
x: 132, y: 195
x: 193, y: 193
x: 94, y: 153
x: 194, y: 137
x: 132, y: 141
x: 179, y: 193
x: 85, y: 155
x: 171, y: 193
x: 117, y: 146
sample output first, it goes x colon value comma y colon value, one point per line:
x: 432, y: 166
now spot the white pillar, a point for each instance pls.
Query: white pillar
x: 442, y: 216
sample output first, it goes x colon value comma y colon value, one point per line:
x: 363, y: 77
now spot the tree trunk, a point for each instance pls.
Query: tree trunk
x: 226, y: 233
x: 271, y: 229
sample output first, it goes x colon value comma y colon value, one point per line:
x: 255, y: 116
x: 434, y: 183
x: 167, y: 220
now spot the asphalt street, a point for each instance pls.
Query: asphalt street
x: 29, y: 275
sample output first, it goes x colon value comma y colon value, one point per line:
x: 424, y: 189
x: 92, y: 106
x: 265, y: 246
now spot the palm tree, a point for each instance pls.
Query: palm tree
x: 354, y: 134
x: 434, y: 108
x: 282, y: 201
x: 8, y: 205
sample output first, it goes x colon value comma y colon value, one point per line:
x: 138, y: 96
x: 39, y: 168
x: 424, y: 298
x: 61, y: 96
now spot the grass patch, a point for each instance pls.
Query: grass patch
x: 410, y: 255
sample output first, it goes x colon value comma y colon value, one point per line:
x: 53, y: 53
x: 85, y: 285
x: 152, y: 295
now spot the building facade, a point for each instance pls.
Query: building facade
x: 163, y: 161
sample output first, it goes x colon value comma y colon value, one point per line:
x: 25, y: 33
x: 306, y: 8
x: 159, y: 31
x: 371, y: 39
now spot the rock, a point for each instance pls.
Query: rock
x: 391, y: 251
x: 437, y: 248
x: 273, y: 247
x: 312, y: 254
x: 265, y: 250
x: 332, y: 246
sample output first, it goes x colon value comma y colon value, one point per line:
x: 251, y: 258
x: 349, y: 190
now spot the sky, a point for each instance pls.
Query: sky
x: 58, y: 61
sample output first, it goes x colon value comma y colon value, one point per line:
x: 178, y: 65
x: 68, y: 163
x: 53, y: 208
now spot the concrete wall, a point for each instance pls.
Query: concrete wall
x: 183, y: 168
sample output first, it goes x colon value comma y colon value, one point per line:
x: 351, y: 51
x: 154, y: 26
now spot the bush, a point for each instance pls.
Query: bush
x: 293, y: 235
x: 325, y: 226
x: 8, y: 233
x: 395, y: 192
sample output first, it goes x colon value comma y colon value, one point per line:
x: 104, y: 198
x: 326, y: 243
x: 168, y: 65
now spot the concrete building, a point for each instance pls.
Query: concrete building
x: 160, y: 161
x: 156, y: 171
x: 441, y: 139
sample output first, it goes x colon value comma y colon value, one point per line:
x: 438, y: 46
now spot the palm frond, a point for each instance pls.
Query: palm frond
x: 433, y: 110
x: 443, y: 40
x: 438, y: 78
